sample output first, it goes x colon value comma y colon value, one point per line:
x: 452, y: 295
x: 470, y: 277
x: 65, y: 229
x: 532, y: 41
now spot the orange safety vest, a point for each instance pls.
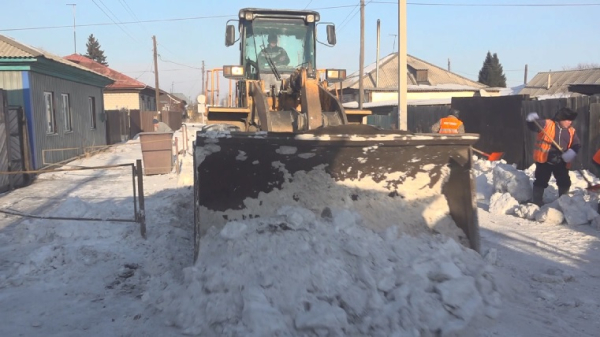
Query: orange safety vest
x: 596, y: 158
x: 543, y: 144
x: 449, y: 125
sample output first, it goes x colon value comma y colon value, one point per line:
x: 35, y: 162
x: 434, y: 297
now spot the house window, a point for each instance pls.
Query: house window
x: 92, y: 110
x: 50, y: 113
x: 66, y: 110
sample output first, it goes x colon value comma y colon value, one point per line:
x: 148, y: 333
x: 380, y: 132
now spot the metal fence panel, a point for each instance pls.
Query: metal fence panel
x: 4, y: 161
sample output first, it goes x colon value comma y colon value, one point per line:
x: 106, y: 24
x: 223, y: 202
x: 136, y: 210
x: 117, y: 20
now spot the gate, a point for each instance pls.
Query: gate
x: 4, y: 162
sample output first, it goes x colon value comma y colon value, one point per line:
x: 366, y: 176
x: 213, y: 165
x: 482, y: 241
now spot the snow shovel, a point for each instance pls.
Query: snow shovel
x: 591, y: 187
x: 494, y: 156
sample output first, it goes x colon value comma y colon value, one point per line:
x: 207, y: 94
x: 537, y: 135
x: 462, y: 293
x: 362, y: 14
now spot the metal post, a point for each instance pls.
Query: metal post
x: 203, y: 88
x: 133, y: 175
x: 185, y: 140
x: 230, y: 98
x: 218, y: 87
x: 156, y: 90
x: 212, y: 87
x: 525, y: 78
x: 142, y: 215
x: 177, y: 155
x: 361, y: 89
x: 402, y: 69
x: 377, y: 57
x: 74, y: 34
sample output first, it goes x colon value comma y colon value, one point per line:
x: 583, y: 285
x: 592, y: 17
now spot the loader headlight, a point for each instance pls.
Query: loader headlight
x: 310, y: 18
x: 335, y: 75
x: 233, y: 72
x: 249, y: 16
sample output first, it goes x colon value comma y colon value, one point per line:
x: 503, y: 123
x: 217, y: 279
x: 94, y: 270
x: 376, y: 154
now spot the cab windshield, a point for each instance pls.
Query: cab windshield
x: 275, y: 45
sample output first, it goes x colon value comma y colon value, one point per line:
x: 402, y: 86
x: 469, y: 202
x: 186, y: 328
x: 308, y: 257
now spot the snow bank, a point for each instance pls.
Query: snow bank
x: 508, y: 179
x: 576, y: 210
x: 296, y: 274
x: 507, y: 190
x: 502, y: 203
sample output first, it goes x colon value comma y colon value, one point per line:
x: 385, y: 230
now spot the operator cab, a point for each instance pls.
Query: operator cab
x: 274, y: 44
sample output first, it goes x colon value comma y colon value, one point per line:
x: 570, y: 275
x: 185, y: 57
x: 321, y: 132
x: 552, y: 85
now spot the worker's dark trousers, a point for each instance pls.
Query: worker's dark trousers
x: 543, y: 172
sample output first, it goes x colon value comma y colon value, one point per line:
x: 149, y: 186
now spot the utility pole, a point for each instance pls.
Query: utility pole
x: 203, y: 77
x: 361, y: 89
x: 156, y: 90
x: 402, y: 76
x: 74, y: 34
x: 525, y: 79
x: 449, y: 65
x: 377, y: 57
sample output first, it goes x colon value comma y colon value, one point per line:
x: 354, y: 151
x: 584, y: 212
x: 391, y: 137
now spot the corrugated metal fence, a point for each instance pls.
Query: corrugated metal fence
x: 13, y: 157
x: 117, y: 126
x: 500, y: 121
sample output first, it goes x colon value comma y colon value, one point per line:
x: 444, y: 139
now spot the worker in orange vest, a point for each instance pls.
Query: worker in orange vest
x: 450, y: 124
x: 549, y: 160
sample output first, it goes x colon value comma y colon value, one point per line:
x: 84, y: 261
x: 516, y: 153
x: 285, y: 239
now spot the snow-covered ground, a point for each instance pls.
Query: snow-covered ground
x: 294, y: 274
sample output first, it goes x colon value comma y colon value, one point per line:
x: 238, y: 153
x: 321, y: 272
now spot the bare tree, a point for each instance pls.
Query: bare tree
x: 581, y: 66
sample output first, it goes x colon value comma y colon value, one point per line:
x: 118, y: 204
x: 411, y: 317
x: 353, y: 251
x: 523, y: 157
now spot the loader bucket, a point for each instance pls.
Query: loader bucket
x: 418, y: 183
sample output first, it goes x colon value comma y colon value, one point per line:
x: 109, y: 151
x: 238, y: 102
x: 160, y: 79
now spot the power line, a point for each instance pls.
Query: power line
x: 111, y: 19
x: 179, y: 64
x: 344, y: 25
x: 487, y: 5
x: 122, y: 23
x: 320, y: 8
x: 305, y: 7
x: 347, y: 16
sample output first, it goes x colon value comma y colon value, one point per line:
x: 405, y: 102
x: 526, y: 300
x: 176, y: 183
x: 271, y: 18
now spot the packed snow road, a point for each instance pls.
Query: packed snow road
x: 301, y: 275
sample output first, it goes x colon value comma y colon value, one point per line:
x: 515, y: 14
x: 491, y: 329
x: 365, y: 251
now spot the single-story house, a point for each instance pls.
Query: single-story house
x: 125, y: 92
x: 172, y: 101
x: 425, y: 82
x: 560, y: 84
x: 62, y: 101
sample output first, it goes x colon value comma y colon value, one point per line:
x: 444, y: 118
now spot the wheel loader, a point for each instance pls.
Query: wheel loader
x: 289, y: 142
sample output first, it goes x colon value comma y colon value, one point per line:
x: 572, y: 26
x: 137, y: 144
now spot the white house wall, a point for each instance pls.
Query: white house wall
x: 378, y: 96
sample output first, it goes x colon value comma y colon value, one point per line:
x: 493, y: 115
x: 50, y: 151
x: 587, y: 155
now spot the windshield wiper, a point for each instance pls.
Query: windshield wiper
x: 270, y: 61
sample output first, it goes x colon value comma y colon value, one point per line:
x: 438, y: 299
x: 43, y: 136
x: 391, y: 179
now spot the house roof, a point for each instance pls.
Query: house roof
x: 12, y: 50
x: 553, y: 83
x: 180, y: 96
x: 122, y: 81
x: 388, y: 76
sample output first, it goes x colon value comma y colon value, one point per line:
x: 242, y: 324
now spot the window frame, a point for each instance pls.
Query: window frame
x: 50, y: 112
x: 67, y: 112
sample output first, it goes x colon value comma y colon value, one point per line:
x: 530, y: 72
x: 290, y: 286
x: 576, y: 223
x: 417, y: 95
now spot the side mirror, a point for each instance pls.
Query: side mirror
x: 230, y: 35
x: 331, y: 35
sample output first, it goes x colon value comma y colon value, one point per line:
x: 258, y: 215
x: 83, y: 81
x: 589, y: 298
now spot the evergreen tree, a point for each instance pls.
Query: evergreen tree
x: 491, y: 72
x: 94, y: 52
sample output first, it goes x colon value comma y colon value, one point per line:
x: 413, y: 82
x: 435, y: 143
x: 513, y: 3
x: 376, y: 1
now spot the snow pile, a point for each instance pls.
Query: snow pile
x: 502, y: 203
x: 527, y: 211
x: 508, y: 191
x: 576, y: 210
x: 296, y: 274
x: 508, y: 179
x: 416, y: 206
x: 549, y: 215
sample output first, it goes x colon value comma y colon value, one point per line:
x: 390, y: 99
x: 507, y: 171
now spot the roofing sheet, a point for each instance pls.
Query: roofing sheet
x: 122, y: 81
x: 551, y: 83
x: 388, y: 75
x: 11, y: 49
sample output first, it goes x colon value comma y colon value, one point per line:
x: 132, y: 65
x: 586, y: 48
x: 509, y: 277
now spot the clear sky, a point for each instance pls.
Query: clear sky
x: 544, y: 34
